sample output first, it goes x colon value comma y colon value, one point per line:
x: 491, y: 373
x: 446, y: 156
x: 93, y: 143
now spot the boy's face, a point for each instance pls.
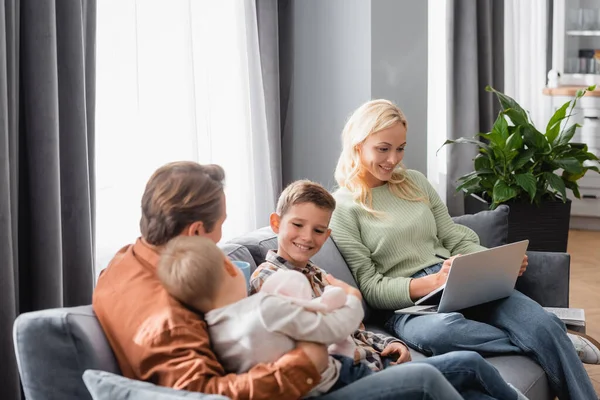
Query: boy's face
x: 301, y: 231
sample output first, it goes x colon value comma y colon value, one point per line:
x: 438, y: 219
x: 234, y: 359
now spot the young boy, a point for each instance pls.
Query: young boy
x: 302, y: 225
x: 245, y: 331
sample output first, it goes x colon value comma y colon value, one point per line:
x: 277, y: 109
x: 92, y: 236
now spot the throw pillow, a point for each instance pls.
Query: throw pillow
x: 491, y: 226
x: 107, y: 386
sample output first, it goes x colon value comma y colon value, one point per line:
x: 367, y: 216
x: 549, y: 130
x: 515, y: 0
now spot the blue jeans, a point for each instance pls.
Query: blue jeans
x: 350, y: 372
x: 470, y: 375
x: 515, y: 324
x: 411, y: 381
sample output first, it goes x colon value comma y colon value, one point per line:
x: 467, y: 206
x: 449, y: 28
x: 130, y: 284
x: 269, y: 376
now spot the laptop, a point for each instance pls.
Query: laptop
x: 475, y: 279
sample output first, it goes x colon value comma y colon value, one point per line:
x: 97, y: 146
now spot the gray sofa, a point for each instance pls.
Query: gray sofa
x: 54, y: 347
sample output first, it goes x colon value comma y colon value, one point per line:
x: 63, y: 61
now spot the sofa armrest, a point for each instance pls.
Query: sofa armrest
x: 547, y: 278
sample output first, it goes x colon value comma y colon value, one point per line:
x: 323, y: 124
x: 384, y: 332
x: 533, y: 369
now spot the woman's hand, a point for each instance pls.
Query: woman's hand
x: 442, y: 275
x: 350, y: 290
x: 398, y: 348
x: 420, y: 287
x: 524, y: 265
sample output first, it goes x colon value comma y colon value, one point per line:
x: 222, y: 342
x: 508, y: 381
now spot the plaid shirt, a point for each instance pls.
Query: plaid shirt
x: 369, y: 345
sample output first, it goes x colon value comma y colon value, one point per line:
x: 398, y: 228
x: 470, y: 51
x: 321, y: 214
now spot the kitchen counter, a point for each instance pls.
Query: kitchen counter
x: 569, y: 91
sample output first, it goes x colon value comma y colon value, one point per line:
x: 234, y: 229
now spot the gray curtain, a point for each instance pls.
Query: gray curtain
x: 46, y: 162
x: 268, y: 42
x: 475, y: 60
x: 286, y: 64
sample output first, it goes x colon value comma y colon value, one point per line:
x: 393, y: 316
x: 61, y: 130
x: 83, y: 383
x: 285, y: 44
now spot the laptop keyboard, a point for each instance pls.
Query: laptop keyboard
x: 431, y: 309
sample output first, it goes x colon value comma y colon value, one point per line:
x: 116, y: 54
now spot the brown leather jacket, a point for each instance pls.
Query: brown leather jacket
x: 156, y: 339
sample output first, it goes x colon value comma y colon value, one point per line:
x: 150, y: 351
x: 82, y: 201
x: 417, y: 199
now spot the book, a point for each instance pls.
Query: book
x: 570, y: 316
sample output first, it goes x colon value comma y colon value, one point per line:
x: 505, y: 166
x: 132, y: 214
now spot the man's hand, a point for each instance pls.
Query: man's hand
x: 317, y: 354
x: 350, y: 290
x: 524, y: 265
x: 397, y: 348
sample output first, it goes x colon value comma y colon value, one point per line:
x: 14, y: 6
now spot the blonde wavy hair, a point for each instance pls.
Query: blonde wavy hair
x: 370, y: 118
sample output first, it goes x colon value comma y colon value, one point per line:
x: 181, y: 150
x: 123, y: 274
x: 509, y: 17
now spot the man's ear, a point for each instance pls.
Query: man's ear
x: 195, y: 229
x: 328, y: 233
x: 274, y: 221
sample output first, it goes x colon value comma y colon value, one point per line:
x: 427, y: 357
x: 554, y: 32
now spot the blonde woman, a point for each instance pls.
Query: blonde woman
x: 390, y: 224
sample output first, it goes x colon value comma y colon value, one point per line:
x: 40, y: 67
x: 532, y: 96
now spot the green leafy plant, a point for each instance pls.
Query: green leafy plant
x: 516, y: 162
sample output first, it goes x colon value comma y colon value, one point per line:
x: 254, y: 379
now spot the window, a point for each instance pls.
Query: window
x: 437, y: 77
x: 177, y: 80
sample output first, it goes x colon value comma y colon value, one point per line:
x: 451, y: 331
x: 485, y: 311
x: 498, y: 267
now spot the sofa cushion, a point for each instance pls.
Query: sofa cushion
x: 237, y: 252
x: 259, y: 242
x: 491, y: 226
x: 547, y: 278
x: 524, y: 374
x: 54, y: 348
x: 106, y: 386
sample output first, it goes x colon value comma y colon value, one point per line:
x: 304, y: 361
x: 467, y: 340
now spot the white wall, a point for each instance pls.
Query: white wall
x: 331, y: 64
x: 343, y: 53
x: 399, y: 68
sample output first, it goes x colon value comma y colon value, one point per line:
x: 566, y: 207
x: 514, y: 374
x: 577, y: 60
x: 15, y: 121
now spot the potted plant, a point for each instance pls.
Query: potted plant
x: 529, y: 171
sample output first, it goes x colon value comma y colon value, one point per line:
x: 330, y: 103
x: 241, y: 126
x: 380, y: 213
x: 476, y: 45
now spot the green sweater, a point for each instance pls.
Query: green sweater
x: 384, y: 251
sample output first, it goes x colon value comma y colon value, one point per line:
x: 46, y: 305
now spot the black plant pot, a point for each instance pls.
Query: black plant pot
x: 546, y: 226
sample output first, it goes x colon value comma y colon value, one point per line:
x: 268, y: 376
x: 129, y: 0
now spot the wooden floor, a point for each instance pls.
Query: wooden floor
x: 584, y: 247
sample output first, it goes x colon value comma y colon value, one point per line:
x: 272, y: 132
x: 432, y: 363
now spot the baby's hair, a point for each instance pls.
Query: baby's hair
x: 304, y: 191
x: 190, y: 268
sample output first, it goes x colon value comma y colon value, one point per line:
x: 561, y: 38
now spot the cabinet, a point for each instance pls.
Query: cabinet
x: 585, y: 212
x: 576, y: 41
x: 576, y: 57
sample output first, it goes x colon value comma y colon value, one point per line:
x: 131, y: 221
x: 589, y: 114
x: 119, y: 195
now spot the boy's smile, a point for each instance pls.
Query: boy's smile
x: 302, y: 231
x: 302, y: 247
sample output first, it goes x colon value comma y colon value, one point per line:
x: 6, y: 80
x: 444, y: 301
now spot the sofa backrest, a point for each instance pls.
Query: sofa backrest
x: 491, y: 226
x: 54, y: 347
x: 260, y: 241
x: 253, y: 247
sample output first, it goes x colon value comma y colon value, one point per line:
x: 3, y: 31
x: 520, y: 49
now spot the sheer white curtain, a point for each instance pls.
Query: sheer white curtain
x: 525, y: 40
x: 179, y: 80
x: 437, y: 76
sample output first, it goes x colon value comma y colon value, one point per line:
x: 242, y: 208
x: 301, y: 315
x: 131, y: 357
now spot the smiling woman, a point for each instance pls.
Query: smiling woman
x: 389, y: 238
x: 381, y: 152
x: 170, y: 78
x: 373, y: 141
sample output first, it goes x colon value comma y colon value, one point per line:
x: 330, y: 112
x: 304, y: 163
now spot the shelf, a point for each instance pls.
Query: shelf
x: 580, y: 81
x: 583, y: 33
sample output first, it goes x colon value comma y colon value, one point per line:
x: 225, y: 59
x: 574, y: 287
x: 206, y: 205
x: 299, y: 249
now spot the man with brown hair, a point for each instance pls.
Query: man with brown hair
x: 153, y: 336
